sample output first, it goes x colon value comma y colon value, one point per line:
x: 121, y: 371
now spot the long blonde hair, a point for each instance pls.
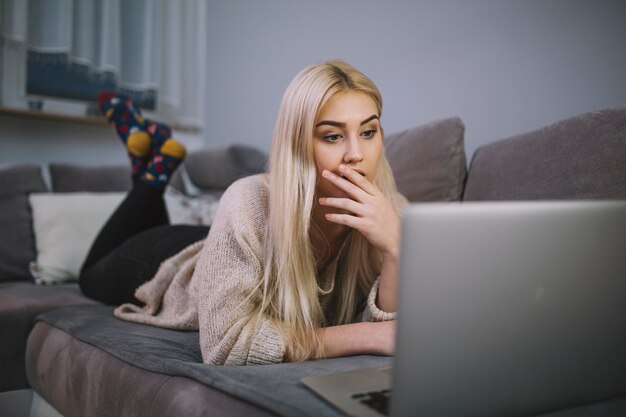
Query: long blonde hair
x: 289, y: 287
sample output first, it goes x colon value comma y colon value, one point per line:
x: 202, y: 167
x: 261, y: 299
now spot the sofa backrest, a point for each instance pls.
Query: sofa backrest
x: 71, y: 178
x: 207, y: 169
x: 214, y: 169
x: 428, y: 162
x: 583, y: 157
x: 17, y: 244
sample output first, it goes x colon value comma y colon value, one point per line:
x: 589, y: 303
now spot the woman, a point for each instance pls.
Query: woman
x: 300, y: 263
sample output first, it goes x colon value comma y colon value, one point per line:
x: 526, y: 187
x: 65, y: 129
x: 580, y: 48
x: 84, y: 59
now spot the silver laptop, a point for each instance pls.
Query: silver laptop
x: 505, y: 309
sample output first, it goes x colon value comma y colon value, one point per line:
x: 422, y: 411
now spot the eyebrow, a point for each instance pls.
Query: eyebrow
x: 341, y: 124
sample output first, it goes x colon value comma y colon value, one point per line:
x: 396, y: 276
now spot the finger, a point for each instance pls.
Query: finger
x: 345, y: 185
x: 343, y: 203
x: 344, y: 219
x: 356, y: 178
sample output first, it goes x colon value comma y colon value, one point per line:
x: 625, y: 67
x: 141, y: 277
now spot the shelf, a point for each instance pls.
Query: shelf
x: 68, y: 118
x: 57, y: 117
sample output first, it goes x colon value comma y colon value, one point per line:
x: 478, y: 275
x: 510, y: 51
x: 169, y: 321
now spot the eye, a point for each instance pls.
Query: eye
x: 334, y: 137
x: 369, y: 133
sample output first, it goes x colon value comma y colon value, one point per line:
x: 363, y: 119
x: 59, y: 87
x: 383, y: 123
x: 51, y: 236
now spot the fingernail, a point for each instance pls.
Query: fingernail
x: 342, y: 167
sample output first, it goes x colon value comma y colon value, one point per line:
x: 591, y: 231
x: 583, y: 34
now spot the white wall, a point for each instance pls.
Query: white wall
x: 503, y: 66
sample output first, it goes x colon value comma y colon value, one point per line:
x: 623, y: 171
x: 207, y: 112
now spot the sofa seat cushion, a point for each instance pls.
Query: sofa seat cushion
x: 582, y: 157
x: 84, y: 361
x: 82, y: 380
x: 20, y: 303
x: 81, y: 371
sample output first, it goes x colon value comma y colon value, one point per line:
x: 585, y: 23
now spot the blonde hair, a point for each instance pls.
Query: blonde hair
x: 289, y: 287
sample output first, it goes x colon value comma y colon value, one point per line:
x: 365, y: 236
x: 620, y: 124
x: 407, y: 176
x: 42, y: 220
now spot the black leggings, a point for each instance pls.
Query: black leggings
x: 131, y: 246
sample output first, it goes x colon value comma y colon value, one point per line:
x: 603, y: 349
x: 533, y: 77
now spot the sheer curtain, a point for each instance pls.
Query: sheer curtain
x: 151, y: 50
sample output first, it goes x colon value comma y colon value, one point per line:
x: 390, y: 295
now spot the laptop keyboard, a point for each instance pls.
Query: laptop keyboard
x: 378, y: 400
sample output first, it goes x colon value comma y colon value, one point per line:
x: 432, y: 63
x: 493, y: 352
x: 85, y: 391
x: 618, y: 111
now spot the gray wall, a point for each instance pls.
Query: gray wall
x: 503, y: 66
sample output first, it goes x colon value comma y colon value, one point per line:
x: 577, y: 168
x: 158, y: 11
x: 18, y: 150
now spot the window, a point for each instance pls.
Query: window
x: 56, y: 55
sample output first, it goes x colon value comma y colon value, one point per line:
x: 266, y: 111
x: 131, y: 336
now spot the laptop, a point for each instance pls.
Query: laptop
x: 505, y: 309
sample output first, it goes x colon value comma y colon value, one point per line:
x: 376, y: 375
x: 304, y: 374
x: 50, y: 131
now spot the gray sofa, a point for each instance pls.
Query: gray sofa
x: 84, y: 362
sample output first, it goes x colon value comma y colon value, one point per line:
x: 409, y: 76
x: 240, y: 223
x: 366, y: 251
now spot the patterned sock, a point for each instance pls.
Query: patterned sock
x: 165, y: 155
x: 129, y: 124
x: 159, y: 133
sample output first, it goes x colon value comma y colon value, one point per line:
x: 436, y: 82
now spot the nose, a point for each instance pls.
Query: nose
x: 353, y: 153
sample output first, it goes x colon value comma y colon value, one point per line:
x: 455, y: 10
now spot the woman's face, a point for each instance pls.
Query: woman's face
x: 347, y: 131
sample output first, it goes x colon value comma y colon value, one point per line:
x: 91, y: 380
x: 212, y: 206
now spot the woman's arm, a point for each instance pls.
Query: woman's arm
x: 227, y: 275
x: 373, y: 216
x: 375, y: 338
x: 386, y: 299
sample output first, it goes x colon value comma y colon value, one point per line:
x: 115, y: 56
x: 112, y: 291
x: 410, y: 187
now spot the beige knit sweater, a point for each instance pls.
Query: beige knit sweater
x: 210, y: 286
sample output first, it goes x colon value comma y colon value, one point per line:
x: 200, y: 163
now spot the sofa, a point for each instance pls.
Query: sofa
x: 79, y: 360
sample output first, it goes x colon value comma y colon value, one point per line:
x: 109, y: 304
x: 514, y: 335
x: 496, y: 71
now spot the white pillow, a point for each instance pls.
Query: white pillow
x: 183, y: 209
x: 65, y: 226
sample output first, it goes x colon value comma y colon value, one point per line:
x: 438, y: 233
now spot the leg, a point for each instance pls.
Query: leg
x: 114, y: 278
x: 142, y: 209
x: 154, y: 156
x: 128, y: 122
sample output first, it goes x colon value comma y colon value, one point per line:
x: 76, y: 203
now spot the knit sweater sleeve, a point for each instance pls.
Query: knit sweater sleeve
x: 228, y: 275
x: 372, y: 312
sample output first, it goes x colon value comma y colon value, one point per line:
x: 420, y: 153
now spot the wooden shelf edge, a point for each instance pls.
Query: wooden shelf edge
x: 58, y: 117
x: 68, y: 118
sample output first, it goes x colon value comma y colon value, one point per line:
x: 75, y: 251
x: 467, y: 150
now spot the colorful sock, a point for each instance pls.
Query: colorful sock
x: 165, y: 154
x: 159, y: 133
x: 164, y: 163
x: 129, y: 124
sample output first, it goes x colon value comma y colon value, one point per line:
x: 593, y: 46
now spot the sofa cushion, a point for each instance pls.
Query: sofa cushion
x: 169, y: 352
x: 80, y: 358
x: 185, y: 209
x: 17, y: 247
x: 67, y: 178
x: 428, y: 162
x: 217, y: 168
x: 64, y: 364
x: 583, y: 157
x: 20, y: 303
x: 65, y: 226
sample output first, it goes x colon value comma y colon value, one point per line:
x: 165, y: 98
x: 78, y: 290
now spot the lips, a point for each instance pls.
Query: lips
x: 356, y: 169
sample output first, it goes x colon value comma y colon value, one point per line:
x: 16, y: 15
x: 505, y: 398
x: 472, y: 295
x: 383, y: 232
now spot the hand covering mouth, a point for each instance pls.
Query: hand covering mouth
x: 360, y: 171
